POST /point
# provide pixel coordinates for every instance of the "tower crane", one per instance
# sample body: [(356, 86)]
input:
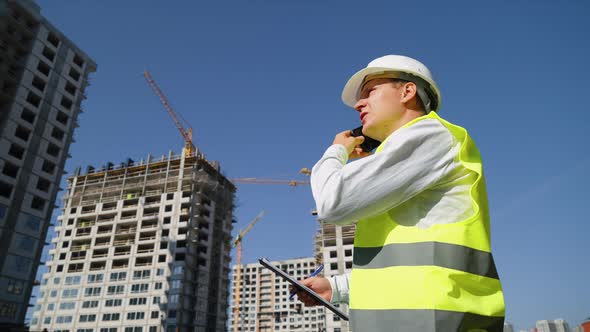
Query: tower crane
[(292, 183), (238, 243), (187, 133)]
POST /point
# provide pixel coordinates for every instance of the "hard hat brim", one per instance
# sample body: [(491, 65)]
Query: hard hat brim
[(351, 91)]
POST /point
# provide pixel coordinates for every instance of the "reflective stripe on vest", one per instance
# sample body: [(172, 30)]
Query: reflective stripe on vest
[(442, 278)]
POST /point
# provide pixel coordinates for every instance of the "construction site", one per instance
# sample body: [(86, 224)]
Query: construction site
[(155, 236)]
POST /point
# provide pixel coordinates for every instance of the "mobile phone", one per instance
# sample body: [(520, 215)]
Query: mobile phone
[(369, 144)]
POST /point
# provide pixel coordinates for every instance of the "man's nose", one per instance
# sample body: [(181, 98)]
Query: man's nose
[(360, 104)]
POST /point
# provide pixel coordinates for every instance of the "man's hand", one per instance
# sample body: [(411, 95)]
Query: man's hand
[(351, 144), (319, 285)]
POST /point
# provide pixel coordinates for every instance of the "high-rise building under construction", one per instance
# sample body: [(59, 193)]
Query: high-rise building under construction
[(141, 247), (43, 76)]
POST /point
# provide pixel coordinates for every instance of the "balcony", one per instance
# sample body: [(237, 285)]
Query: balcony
[(100, 253), (119, 243), (106, 220), (97, 266), (130, 230), (120, 263)]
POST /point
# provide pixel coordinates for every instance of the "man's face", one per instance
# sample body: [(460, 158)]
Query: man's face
[(380, 107)]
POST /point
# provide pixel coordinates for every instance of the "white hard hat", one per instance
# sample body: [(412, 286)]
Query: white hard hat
[(395, 66)]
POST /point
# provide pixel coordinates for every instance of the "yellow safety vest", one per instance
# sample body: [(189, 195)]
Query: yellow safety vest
[(442, 278)]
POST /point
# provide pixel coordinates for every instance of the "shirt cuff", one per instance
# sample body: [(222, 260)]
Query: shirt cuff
[(339, 285), (337, 151)]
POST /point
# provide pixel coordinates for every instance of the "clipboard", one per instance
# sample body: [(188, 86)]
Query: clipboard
[(266, 263)]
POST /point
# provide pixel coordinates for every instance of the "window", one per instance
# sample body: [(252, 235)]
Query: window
[(53, 293), (112, 290), (70, 88), (156, 300), (10, 170), (87, 318), (78, 60), (172, 314), (89, 304), (52, 39), (16, 151), (27, 115), (48, 54), (333, 254), (22, 133), (160, 272), (43, 68), (141, 274), (48, 167), (67, 305), (154, 315), (117, 276), (15, 286), (95, 278), (92, 291), (63, 319), (33, 99), (111, 317), (66, 102), (62, 117), (173, 298), (74, 74), (56, 280), (38, 203), (109, 329), (73, 280), (158, 285), (43, 184), (38, 83), (33, 223), (58, 134), (176, 283), (138, 301), (135, 315), (5, 189), (348, 252), (139, 288), (2, 211), (52, 150), (113, 303), (47, 320)]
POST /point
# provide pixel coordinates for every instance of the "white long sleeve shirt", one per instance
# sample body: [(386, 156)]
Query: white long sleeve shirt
[(417, 178)]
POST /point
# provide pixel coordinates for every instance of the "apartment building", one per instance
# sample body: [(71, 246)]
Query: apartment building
[(43, 78), (264, 303), (141, 247)]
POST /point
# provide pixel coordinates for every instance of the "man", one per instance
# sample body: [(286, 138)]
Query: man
[(422, 254)]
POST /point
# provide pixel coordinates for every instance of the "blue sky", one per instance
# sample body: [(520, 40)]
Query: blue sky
[(260, 83)]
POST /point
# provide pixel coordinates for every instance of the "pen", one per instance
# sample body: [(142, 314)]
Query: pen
[(314, 273)]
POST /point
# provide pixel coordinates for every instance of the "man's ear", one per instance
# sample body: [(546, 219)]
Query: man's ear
[(408, 91)]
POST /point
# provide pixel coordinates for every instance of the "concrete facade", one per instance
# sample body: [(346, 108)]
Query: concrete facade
[(141, 247), (43, 76)]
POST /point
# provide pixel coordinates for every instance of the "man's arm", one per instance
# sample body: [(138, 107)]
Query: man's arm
[(413, 159)]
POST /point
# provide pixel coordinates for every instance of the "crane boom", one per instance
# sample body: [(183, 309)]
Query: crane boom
[(187, 134), (292, 183)]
